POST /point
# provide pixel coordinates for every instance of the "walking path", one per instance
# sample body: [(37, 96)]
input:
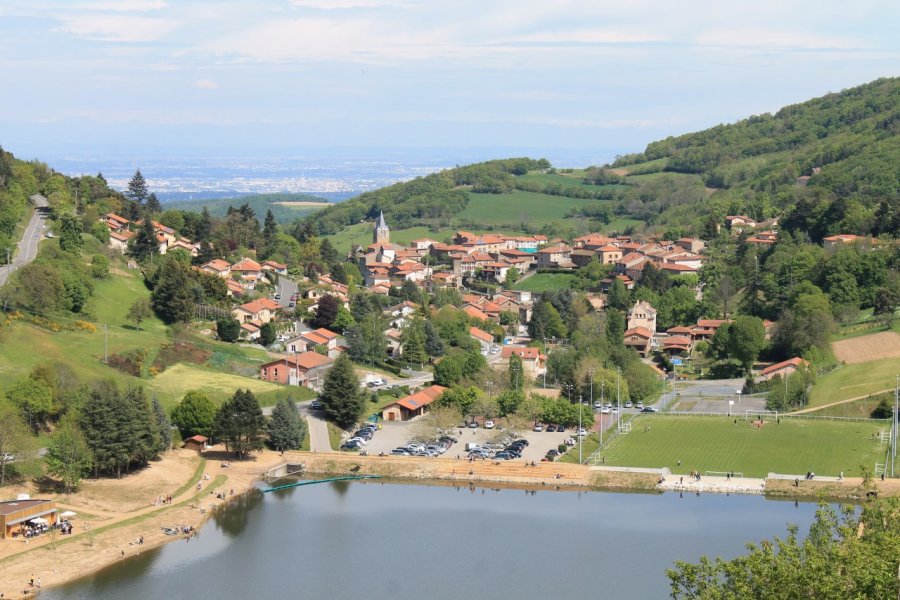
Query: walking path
[(838, 403), (318, 434), (29, 245)]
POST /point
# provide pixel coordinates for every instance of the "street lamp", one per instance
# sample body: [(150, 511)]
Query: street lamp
[(580, 439), (618, 399)]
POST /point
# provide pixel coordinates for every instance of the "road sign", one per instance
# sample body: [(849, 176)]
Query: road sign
[(677, 361)]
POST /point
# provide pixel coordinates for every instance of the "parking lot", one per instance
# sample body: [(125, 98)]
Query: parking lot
[(395, 434)]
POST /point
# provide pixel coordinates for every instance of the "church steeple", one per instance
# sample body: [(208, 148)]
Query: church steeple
[(381, 235)]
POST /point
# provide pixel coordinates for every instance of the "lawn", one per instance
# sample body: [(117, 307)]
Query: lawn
[(718, 444), (852, 381), (174, 382), (542, 282), (520, 207)]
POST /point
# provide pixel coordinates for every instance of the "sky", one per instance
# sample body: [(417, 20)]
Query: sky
[(409, 77)]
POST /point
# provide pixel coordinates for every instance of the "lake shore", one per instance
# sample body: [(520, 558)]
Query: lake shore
[(115, 514)]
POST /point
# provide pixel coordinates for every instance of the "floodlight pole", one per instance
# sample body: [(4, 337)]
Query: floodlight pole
[(580, 438)]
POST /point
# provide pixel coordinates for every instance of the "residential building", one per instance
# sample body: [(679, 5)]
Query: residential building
[(307, 369), (639, 338), (783, 369), (642, 314), (534, 364), (15, 514), (413, 405)]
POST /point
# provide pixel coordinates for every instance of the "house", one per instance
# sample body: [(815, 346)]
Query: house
[(783, 369), (482, 337), (836, 241), (217, 267), (16, 514), (306, 369), (309, 340), (554, 257), (763, 238), (234, 288), (185, 245), (706, 328), (118, 240), (413, 405), (250, 331), (675, 269), (275, 267), (248, 270), (675, 344), (639, 338), (475, 313), (534, 364), (609, 255), (422, 243), (642, 314), (262, 310), (692, 245), (115, 222), (197, 443), (738, 223)]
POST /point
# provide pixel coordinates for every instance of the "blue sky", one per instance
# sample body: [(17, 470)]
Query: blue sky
[(151, 77)]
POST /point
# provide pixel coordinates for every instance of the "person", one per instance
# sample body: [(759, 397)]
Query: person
[(796, 482), (681, 480), (841, 476)]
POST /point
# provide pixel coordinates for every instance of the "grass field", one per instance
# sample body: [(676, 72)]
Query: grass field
[(542, 282), (568, 180), (361, 234), (519, 207), (852, 381), (717, 444)]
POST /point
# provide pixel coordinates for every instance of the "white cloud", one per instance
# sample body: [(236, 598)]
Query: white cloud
[(206, 84), (773, 38), (118, 28), (345, 4)]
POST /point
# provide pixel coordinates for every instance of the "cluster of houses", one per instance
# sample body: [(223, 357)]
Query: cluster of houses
[(244, 275), (122, 231)]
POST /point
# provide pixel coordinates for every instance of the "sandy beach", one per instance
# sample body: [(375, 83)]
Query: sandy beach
[(114, 514)]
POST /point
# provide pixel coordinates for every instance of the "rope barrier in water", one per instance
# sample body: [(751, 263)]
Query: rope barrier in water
[(310, 482)]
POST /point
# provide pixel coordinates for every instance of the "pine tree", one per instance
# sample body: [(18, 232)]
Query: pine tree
[(153, 205), (145, 244), (414, 343), (516, 373), (270, 230), (163, 425), (240, 423), (328, 253), (434, 345), (286, 427), (203, 232), (172, 297), (341, 397), (618, 296), (137, 188)]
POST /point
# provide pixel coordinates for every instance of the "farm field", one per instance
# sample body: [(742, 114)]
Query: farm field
[(718, 444), (568, 180), (542, 282), (866, 348), (854, 381)]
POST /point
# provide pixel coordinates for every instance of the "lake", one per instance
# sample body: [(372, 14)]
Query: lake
[(355, 540)]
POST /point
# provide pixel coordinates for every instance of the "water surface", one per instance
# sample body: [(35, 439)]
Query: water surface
[(381, 540)]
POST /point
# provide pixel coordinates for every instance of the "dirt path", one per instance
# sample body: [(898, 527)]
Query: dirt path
[(839, 402)]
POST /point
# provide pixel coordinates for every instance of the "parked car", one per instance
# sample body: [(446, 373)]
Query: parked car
[(598, 404), (582, 432), (628, 404), (316, 404), (649, 409), (538, 427), (551, 428), (351, 445), (400, 452), (604, 411), (489, 424), (277, 296), (552, 454), (639, 405), (503, 456), (473, 425), (7, 457)]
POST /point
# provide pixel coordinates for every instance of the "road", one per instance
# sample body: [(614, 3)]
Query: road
[(318, 428), (29, 245), (287, 288)]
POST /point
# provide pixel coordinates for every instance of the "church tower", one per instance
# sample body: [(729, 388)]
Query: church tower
[(381, 235)]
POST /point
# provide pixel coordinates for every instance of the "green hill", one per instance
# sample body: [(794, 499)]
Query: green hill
[(829, 165), (286, 208)]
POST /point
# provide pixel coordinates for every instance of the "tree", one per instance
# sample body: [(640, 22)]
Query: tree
[(270, 228), (99, 267), (851, 555), (144, 244), (228, 329), (413, 340), (885, 303), (267, 334), (14, 437), (618, 296), (615, 328), (461, 398), (153, 205), (139, 311), (341, 397), (724, 290), (240, 423), (516, 373), (545, 322), (100, 231), (162, 423), (286, 427), (137, 188), (512, 276), (194, 415), (509, 401), (68, 455), (746, 339), (172, 297), (343, 321), (327, 311), (366, 339), (434, 345), (806, 322), (34, 399), (70, 229), (448, 371)]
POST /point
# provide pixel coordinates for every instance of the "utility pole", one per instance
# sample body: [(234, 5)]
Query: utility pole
[(580, 437), (894, 424), (105, 343)]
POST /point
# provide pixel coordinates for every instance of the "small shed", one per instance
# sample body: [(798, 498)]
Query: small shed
[(197, 443), (14, 514)]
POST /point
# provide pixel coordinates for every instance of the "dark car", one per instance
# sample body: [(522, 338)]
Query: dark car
[(351, 445), (551, 428), (522, 442), (649, 409), (512, 452), (315, 405), (503, 456), (552, 454)]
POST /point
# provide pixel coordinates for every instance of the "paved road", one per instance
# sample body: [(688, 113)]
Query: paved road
[(318, 434), (28, 246), (287, 288)]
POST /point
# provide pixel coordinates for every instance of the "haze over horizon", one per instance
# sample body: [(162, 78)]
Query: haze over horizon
[(406, 78)]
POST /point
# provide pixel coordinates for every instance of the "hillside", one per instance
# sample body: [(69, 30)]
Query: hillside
[(286, 208), (830, 165)]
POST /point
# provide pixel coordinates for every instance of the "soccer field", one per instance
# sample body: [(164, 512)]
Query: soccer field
[(792, 447)]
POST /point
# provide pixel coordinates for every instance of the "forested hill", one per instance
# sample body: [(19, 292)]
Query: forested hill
[(847, 144), (431, 199)]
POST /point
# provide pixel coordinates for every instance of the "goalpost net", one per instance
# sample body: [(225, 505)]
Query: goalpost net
[(752, 415)]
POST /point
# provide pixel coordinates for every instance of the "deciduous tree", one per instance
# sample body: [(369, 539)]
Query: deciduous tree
[(68, 455), (194, 415), (139, 311), (240, 423)]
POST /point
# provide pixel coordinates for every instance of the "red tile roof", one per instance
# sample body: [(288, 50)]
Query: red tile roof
[(796, 362), (422, 397), (528, 353), (481, 334)]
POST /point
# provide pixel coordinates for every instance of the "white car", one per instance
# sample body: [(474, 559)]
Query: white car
[(489, 424), (582, 432), (604, 410), (598, 404)]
